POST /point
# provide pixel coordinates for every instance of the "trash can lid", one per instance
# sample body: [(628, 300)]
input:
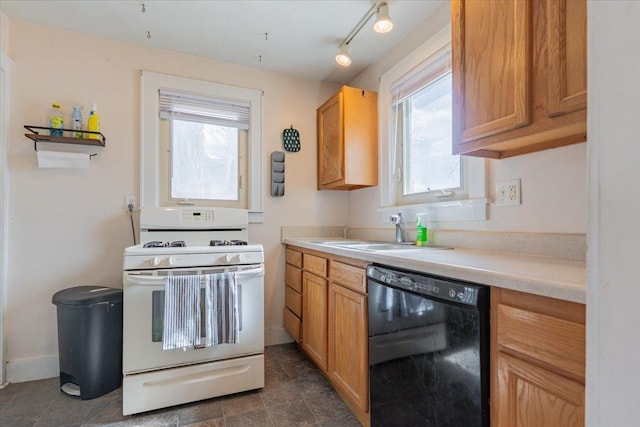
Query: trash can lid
[(86, 295)]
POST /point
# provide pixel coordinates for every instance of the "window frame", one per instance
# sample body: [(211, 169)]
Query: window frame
[(469, 205), (237, 201), (400, 128), (150, 177)]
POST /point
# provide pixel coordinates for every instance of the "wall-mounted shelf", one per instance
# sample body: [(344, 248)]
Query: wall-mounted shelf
[(36, 137)]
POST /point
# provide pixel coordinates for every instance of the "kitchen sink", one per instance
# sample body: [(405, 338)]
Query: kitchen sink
[(380, 246)]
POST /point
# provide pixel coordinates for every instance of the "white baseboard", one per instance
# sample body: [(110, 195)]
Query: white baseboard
[(35, 368), (276, 336)]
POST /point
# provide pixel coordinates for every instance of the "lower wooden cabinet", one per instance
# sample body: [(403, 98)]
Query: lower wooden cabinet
[(532, 396), (331, 326), (314, 315), (348, 365), (293, 295), (538, 361), (293, 325), (537, 343)]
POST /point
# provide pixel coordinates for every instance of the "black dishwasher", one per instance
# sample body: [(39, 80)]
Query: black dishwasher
[(428, 350)]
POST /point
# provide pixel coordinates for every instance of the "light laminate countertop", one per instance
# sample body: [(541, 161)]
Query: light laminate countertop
[(552, 277)]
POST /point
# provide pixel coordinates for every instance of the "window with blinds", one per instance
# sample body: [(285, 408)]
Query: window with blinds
[(205, 139), (421, 132)]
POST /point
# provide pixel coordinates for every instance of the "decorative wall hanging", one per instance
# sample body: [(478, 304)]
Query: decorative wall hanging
[(291, 139), (277, 174)]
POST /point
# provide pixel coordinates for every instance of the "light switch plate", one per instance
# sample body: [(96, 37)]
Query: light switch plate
[(508, 193)]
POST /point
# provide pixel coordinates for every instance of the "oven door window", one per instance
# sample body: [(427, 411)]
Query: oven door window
[(157, 313)]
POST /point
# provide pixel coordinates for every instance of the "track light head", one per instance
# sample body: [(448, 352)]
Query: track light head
[(343, 58), (383, 22)]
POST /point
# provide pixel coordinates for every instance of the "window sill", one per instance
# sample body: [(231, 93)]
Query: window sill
[(452, 210)]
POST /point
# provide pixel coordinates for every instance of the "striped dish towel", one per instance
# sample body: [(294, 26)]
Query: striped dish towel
[(221, 305), (181, 327)]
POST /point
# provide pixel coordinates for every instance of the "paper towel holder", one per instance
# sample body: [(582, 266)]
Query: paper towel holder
[(36, 137)]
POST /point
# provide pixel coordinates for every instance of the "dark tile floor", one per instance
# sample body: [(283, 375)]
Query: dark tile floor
[(295, 394)]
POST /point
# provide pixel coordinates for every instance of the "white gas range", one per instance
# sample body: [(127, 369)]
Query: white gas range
[(189, 242)]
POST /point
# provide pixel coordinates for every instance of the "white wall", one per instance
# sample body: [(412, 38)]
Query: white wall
[(68, 227), (613, 290), (554, 183), (4, 32)]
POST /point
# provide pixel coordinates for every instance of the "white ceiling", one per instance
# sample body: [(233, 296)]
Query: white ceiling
[(302, 36)]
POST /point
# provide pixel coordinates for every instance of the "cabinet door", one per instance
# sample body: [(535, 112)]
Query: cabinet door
[(567, 54), (491, 67), (530, 396), (348, 365), (330, 142), (314, 315)]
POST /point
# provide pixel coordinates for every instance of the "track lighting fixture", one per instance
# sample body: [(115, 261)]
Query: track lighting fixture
[(343, 57), (383, 24)]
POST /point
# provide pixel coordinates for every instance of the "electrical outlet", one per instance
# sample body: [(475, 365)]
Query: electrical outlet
[(508, 193), (133, 200)]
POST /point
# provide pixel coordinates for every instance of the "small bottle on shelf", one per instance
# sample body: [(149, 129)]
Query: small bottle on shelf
[(56, 121), (76, 121), (93, 122)]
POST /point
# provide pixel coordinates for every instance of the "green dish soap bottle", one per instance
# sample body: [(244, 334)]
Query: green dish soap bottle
[(421, 230)]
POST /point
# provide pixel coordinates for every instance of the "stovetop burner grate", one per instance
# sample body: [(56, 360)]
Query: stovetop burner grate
[(182, 244), (159, 244), (227, 243)]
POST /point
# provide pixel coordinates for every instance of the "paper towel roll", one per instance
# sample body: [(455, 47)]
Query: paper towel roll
[(62, 159)]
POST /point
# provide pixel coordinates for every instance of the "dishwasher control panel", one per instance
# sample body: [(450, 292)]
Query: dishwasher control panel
[(424, 284)]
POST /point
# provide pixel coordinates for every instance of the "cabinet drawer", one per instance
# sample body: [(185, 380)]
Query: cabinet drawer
[(349, 276), (292, 324), (294, 257), (293, 277), (315, 264), (293, 301), (558, 343)]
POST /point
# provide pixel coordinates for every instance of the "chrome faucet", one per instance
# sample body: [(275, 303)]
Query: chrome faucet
[(398, 221)]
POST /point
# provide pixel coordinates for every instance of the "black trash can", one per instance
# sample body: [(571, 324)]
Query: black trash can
[(89, 340)]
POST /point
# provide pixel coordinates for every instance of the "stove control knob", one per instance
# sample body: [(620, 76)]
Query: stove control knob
[(224, 259), (234, 259), (154, 262), (171, 260)]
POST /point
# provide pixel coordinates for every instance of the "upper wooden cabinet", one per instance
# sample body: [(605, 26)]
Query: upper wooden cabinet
[(519, 75), (348, 140)]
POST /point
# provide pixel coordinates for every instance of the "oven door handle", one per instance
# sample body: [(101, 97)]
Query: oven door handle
[(135, 279), (140, 279), (254, 272)]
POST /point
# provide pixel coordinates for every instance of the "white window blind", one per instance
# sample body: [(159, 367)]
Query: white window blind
[(422, 75), (203, 109)]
